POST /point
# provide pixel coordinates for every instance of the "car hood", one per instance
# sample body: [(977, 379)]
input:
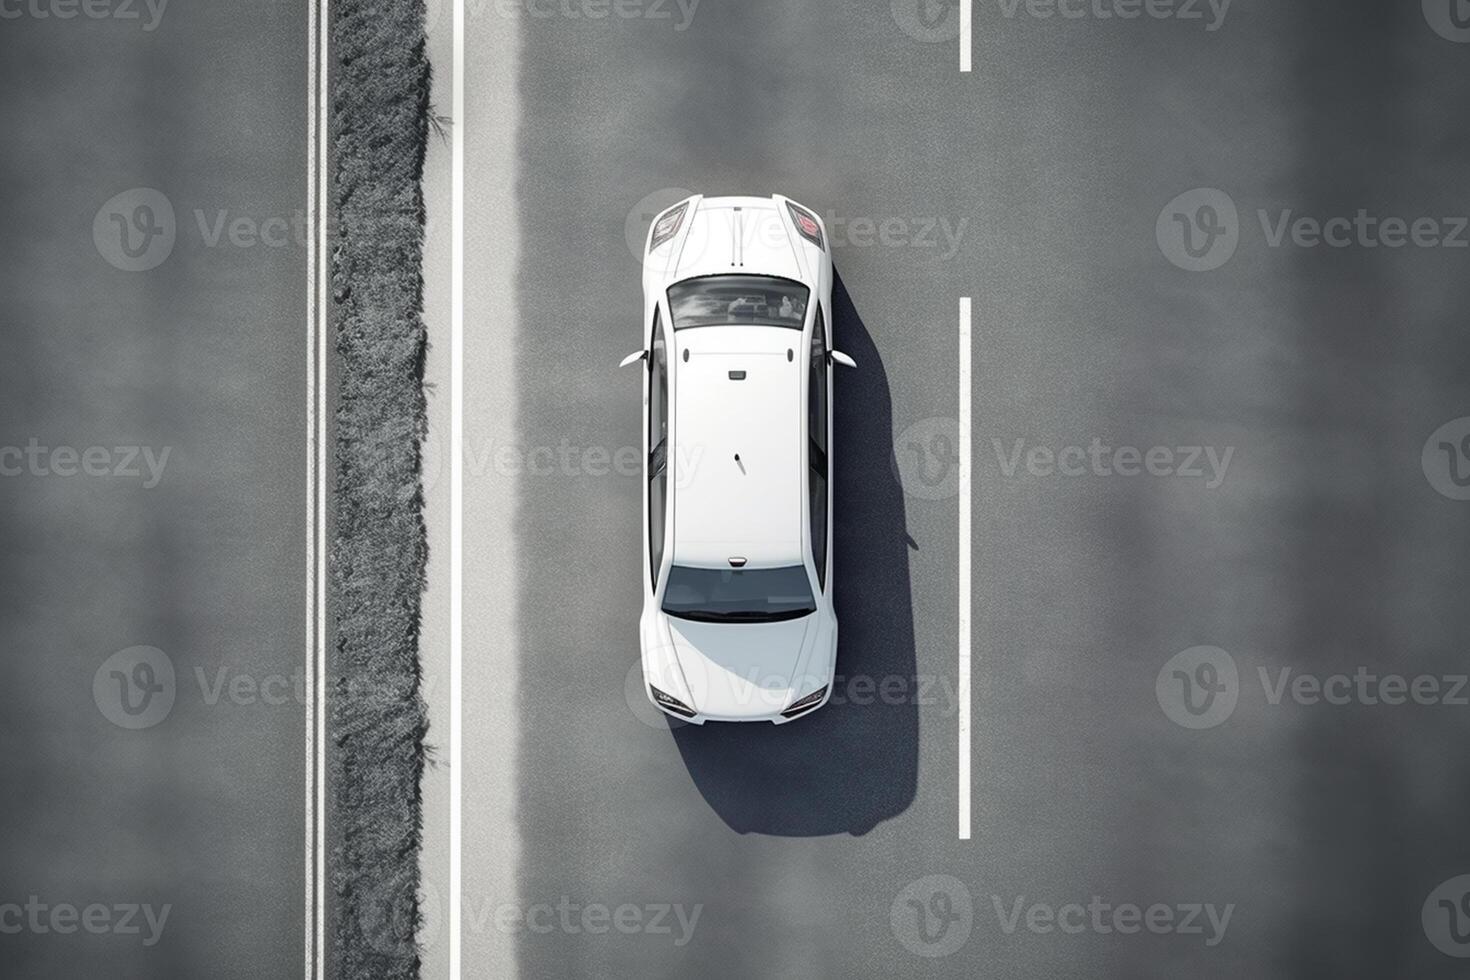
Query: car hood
[(746, 235), (725, 238), (741, 670)]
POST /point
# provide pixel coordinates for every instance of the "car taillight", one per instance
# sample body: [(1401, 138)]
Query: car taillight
[(806, 225), (667, 226)]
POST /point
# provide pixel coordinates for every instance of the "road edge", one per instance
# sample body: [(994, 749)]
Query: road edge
[(435, 850)]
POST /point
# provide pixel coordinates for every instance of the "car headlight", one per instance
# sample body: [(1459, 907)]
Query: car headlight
[(806, 704), (667, 226), (806, 225), (671, 703)]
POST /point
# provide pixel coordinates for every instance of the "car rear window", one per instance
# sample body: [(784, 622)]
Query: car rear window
[(715, 301)]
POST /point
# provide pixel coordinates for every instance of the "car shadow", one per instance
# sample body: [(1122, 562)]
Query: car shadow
[(854, 763)]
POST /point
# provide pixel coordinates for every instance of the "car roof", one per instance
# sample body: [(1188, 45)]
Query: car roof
[(752, 508)]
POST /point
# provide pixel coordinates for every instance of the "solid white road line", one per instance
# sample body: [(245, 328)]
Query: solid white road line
[(964, 576), (324, 206), (316, 518), (965, 13), (456, 498)]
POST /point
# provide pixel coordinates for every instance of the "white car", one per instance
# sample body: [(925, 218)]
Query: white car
[(738, 622)]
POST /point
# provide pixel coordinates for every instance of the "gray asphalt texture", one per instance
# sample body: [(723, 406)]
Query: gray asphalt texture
[(197, 813), (1325, 548)]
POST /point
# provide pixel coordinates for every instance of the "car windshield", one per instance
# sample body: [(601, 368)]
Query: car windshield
[(728, 595), (714, 301)]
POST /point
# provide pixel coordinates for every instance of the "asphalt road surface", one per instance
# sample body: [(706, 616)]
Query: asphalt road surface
[(153, 449), (1201, 431)]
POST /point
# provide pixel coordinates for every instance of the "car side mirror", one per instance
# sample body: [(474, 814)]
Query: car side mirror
[(633, 358), (838, 357)]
